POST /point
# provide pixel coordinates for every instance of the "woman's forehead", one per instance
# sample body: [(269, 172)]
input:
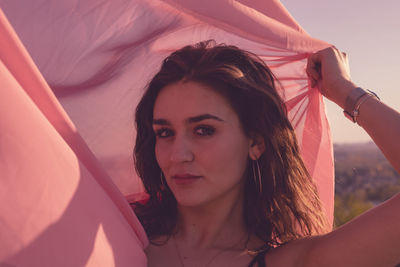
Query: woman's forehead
[(183, 100)]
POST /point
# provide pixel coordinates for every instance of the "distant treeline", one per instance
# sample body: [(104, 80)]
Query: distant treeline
[(364, 179)]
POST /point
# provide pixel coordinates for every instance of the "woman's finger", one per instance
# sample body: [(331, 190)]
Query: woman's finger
[(313, 67)]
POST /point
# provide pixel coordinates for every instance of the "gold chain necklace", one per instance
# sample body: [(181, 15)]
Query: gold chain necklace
[(212, 259)]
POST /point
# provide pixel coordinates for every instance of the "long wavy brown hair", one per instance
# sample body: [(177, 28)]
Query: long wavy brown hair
[(288, 207)]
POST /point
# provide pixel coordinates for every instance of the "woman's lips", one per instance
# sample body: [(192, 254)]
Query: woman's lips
[(185, 179)]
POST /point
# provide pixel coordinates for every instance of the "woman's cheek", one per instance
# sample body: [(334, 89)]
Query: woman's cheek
[(161, 153)]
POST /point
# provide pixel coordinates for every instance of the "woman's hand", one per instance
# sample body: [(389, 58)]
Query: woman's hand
[(329, 69)]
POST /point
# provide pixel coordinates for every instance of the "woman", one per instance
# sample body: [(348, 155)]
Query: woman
[(227, 185)]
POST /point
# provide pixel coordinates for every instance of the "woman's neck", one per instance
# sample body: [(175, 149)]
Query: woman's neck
[(217, 224)]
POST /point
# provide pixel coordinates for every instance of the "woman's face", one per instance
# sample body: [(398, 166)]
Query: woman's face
[(200, 145)]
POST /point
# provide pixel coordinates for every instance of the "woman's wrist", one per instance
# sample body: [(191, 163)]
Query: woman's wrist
[(342, 92), (368, 106), (354, 100)]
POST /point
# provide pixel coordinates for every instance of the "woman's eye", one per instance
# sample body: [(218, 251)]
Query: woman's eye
[(205, 130), (163, 133)]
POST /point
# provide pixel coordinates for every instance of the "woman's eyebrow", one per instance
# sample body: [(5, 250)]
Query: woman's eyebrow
[(203, 117), (189, 120)]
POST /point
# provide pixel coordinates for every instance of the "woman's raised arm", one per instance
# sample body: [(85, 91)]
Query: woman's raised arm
[(372, 239), (329, 69)]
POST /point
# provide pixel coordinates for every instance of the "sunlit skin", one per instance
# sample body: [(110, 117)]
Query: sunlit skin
[(220, 157), (198, 133)]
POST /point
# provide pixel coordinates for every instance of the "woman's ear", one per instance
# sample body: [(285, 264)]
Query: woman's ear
[(257, 147)]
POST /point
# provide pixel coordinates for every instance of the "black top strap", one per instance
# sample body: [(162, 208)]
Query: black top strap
[(260, 257)]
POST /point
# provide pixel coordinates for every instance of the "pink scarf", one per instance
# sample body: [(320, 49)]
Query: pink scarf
[(66, 168)]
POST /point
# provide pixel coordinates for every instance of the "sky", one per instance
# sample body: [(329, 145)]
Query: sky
[(369, 32)]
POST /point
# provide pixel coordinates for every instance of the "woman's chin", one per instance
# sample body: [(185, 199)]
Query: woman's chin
[(190, 200)]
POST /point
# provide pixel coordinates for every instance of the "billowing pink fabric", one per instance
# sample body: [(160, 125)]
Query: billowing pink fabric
[(65, 160)]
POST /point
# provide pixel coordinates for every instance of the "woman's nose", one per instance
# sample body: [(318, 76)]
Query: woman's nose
[(181, 150)]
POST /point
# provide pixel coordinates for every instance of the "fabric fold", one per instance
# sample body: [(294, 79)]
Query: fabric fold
[(67, 113)]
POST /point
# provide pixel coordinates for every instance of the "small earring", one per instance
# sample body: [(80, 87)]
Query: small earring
[(257, 176), (162, 180)]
